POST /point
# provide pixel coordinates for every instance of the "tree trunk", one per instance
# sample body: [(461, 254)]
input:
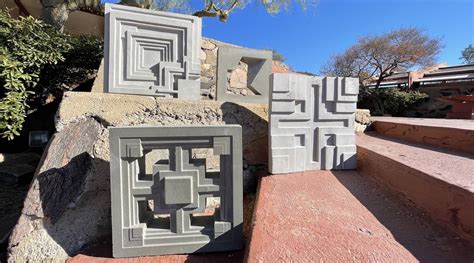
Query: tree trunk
[(55, 15), (379, 80)]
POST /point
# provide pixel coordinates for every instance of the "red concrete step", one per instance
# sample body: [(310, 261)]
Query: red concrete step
[(438, 181), (341, 216), (451, 134)]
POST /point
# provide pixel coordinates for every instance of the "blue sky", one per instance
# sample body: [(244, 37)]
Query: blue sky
[(308, 38)]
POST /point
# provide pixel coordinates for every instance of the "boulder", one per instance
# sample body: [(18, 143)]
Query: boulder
[(362, 120), (68, 203), (64, 196)]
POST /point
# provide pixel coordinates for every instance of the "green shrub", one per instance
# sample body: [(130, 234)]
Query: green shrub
[(26, 45), (391, 101), (37, 62), (79, 66)]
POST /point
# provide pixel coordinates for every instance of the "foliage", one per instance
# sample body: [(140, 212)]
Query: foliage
[(179, 6), (467, 55), (56, 12), (377, 57), (37, 63), (392, 101), (79, 66), (277, 56), (26, 46), (222, 8)]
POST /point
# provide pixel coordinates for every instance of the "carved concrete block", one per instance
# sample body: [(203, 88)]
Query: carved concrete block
[(312, 123), (159, 207), (151, 52), (258, 78)]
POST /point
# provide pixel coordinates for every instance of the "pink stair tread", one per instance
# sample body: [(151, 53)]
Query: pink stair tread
[(324, 216), (443, 123), (446, 165)]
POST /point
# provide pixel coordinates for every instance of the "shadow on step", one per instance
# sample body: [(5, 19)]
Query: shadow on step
[(422, 146), (412, 229)]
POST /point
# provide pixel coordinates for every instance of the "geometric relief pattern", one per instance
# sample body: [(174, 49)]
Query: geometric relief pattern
[(149, 52), (312, 123), (259, 64), (164, 212)]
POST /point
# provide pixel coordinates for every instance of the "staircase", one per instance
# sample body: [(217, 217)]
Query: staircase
[(457, 135), (411, 200), (430, 163)]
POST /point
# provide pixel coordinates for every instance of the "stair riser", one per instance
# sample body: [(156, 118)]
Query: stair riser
[(450, 138), (447, 204)]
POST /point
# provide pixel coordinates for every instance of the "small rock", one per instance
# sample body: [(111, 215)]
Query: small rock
[(206, 44), (359, 128), (362, 116), (206, 67)]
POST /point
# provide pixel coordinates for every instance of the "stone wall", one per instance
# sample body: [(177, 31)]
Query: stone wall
[(68, 204), (237, 79)]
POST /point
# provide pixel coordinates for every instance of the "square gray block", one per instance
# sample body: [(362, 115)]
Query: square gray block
[(258, 78), (182, 184), (148, 52), (312, 123), (158, 213)]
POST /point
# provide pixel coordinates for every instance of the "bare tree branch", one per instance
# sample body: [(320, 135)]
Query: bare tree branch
[(385, 55)]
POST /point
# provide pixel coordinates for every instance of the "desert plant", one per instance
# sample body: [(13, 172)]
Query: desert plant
[(467, 55), (26, 46), (391, 101)]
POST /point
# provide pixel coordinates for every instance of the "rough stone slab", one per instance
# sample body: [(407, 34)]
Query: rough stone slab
[(312, 123), (64, 196), (438, 181), (259, 69), (179, 187), (341, 216), (138, 110), (147, 51)]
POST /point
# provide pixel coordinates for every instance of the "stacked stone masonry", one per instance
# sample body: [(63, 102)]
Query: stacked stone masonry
[(258, 67)]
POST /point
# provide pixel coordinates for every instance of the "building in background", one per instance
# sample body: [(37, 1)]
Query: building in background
[(447, 81), (439, 82)]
